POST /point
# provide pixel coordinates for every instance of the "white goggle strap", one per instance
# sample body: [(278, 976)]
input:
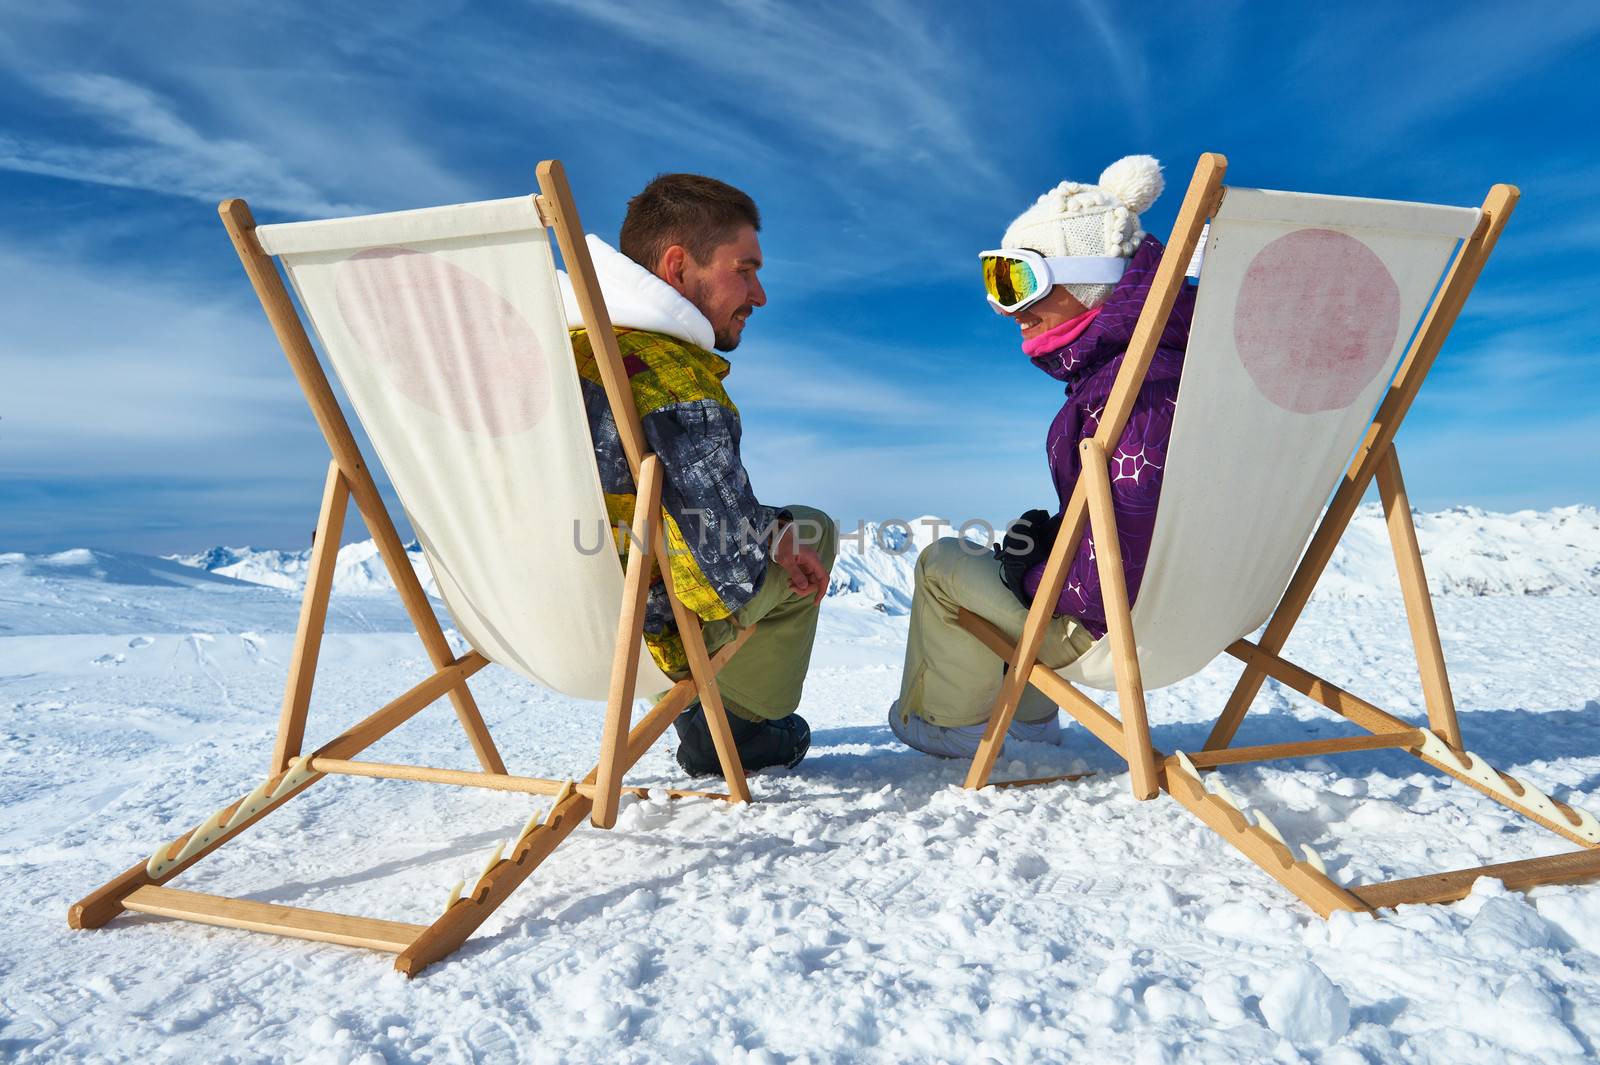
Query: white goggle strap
[(1086, 269)]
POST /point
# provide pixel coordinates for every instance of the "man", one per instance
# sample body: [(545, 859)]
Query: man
[(685, 281)]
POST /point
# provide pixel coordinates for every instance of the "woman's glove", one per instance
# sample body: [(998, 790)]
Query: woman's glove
[(1027, 543)]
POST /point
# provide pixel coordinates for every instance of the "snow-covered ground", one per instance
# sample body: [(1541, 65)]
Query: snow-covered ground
[(865, 908)]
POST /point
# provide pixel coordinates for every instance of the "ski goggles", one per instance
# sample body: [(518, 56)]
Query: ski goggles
[(1016, 277)]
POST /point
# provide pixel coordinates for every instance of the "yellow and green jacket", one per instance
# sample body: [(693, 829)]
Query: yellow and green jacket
[(716, 529)]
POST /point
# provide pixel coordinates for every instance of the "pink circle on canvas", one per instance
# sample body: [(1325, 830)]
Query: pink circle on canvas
[(447, 340), (1317, 317)]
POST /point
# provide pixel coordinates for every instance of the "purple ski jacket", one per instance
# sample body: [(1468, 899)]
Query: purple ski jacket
[(1089, 367)]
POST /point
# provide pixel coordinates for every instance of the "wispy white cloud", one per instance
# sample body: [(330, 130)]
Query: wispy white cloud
[(826, 374), (110, 373), (153, 147), (1513, 371), (1504, 302), (884, 117), (877, 82), (844, 423)]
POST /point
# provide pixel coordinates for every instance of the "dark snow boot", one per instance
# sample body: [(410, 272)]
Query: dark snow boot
[(761, 744), (769, 743)]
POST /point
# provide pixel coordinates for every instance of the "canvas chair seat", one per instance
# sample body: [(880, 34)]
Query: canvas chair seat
[(446, 330), (1305, 307)]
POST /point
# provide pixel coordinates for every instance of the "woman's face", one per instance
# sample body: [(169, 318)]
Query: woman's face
[(1041, 317)]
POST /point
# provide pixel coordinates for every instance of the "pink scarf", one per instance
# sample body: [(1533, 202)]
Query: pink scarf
[(1059, 337)]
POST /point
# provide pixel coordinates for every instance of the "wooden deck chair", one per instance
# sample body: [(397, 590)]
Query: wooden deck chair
[(1304, 311), (445, 328)]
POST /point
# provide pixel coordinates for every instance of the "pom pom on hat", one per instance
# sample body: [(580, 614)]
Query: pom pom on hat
[(1101, 219), (1135, 180)]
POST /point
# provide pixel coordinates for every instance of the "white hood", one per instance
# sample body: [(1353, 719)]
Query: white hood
[(637, 299)]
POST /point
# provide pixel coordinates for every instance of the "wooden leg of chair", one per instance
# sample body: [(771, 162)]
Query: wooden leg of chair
[(1266, 848), (1088, 713), (1457, 884), (1238, 704), (711, 705), (705, 677), (1119, 622), (994, 734), (1025, 652), (1419, 605), (313, 618), (471, 718), (625, 661), (398, 564), (464, 917)]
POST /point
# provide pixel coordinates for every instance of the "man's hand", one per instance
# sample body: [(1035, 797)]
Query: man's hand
[(807, 574)]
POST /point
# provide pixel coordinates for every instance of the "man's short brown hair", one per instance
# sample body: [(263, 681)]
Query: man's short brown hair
[(692, 210)]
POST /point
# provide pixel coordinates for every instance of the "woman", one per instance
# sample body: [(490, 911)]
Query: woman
[(1073, 274)]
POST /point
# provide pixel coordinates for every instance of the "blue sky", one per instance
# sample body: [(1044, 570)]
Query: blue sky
[(145, 406)]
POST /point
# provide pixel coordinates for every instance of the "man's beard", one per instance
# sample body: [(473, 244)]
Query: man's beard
[(727, 339)]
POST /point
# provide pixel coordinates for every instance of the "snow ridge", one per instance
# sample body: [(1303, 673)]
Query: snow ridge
[(1467, 551), (359, 569)]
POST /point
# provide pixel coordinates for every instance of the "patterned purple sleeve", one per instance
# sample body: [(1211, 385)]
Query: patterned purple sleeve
[(1136, 468)]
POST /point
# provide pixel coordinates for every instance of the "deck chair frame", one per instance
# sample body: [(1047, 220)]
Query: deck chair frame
[(1439, 745), (597, 796)]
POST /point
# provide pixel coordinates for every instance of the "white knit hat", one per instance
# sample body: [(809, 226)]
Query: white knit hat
[(1102, 219)]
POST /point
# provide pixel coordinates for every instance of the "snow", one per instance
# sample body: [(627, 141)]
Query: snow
[(1469, 551), (1305, 1007), (864, 908)]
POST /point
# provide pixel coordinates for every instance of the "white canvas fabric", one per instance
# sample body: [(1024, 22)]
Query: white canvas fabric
[(446, 330), (1305, 307)]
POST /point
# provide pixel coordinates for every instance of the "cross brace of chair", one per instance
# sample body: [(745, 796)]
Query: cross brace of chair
[(1260, 841), (417, 945)]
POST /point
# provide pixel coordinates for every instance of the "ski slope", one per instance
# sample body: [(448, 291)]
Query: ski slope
[(865, 908)]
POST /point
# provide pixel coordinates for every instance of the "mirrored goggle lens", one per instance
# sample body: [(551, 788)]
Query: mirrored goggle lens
[(1010, 282)]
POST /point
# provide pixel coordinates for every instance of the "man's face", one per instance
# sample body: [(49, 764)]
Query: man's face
[(725, 287)]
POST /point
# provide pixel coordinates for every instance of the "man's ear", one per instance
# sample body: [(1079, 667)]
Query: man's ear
[(671, 267)]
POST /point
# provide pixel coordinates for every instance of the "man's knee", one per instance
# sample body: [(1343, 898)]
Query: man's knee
[(817, 531)]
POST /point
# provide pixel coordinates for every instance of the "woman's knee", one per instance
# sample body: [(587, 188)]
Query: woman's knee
[(940, 560)]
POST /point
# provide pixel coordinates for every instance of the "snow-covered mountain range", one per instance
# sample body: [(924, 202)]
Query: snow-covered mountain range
[(1467, 551)]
